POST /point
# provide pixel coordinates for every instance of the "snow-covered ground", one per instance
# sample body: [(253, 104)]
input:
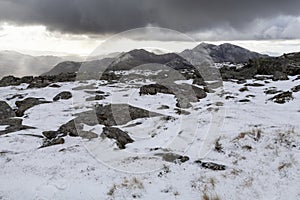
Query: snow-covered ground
[(257, 141)]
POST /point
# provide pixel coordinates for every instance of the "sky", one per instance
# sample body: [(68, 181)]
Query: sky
[(79, 26)]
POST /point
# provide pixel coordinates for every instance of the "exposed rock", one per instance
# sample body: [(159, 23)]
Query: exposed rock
[(6, 111), (54, 86), (211, 165), (173, 157), (296, 88), (55, 141), (244, 100), (27, 104), (63, 95), (272, 91), (163, 107), (279, 76), (68, 129), (87, 135), (50, 134), (153, 89), (121, 137), (19, 96), (95, 98), (181, 112), (282, 97), (94, 92), (85, 87), (254, 84), (243, 89)]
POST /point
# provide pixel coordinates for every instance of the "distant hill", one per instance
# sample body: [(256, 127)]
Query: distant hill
[(221, 53), (17, 64)]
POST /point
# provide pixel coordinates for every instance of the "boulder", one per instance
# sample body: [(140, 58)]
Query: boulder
[(282, 97), (211, 165), (279, 76), (27, 104), (63, 95), (6, 111), (296, 88), (121, 137), (153, 89)]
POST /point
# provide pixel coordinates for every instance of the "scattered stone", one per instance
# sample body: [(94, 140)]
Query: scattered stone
[(241, 81), (63, 95), (54, 86), (250, 96), (282, 97), (211, 165), (19, 96), (121, 137), (153, 89), (229, 97), (279, 76), (254, 84), (243, 89), (50, 134), (68, 129), (296, 88), (173, 157), (55, 141), (85, 87), (244, 100), (94, 92), (181, 112), (219, 104), (95, 98), (163, 107), (272, 91), (88, 135), (27, 104)]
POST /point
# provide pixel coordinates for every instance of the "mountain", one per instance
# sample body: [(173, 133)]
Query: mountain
[(124, 61), (17, 64), (139, 57), (221, 53)]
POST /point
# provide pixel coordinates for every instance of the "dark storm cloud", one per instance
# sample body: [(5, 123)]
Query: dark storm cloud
[(110, 16)]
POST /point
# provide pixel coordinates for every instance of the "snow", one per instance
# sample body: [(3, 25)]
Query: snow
[(264, 168)]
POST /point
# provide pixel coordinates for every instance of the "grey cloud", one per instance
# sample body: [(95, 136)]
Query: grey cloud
[(111, 16)]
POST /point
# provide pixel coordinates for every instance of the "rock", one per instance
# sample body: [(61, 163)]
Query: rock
[(254, 84), (85, 87), (296, 88), (54, 86), (199, 81), (121, 137), (94, 92), (14, 125), (68, 129), (87, 135), (173, 157), (244, 100), (241, 81), (282, 97), (63, 95), (50, 134), (279, 76), (243, 89), (181, 112), (9, 81), (95, 98), (55, 141), (153, 89), (183, 103), (6, 111), (199, 92), (163, 107), (272, 91), (19, 96), (211, 165), (27, 104), (114, 114)]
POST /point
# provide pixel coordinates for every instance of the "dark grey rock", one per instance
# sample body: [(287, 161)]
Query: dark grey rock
[(27, 104), (50, 134), (6, 111), (121, 137), (282, 97), (296, 88), (63, 95), (211, 165), (279, 76)]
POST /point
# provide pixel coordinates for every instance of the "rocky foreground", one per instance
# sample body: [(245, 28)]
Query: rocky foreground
[(142, 134)]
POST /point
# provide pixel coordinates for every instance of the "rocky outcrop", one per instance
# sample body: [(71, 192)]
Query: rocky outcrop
[(6, 111), (282, 97), (27, 104), (122, 138), (153, 89)]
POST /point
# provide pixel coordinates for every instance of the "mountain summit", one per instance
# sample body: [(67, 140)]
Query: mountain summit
[(222, 53)]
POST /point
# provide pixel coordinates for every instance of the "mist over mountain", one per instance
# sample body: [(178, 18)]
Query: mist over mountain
[(14, 63)]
